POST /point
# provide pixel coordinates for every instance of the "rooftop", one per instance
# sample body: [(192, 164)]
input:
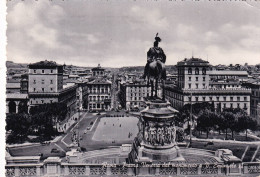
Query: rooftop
[(227, 72), (193, 62), (45, 63)]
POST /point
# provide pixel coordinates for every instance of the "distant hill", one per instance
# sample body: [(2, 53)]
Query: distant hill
[(11, 64)]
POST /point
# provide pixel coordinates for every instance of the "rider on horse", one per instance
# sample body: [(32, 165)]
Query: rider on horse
[(155, 53)]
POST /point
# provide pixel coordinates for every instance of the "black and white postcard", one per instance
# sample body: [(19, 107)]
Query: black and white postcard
[(131, 88)]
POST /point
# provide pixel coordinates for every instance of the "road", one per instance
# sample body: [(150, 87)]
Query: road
[(90, 120)]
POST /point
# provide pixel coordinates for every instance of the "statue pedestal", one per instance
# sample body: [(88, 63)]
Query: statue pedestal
[(155, 141)]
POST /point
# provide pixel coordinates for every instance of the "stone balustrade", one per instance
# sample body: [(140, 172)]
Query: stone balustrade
[(68, 169)]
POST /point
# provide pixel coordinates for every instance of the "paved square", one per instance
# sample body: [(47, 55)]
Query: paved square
[(116, 128)]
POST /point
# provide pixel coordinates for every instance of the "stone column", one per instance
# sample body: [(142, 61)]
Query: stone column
[(16, 171), (17, 106), (87, 170), (38, 170), (7, 107), (199, 170), (157, 171), (109, 171), (66, 170)]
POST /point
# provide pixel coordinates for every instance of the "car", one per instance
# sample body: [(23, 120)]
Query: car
[(45, 143), (54, 150), (88, 128)]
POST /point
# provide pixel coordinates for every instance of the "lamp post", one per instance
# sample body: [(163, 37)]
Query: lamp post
[(190, 116)]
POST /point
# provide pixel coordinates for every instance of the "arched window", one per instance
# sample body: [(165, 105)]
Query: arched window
[(204, 71), (189, 71), (197, 71)]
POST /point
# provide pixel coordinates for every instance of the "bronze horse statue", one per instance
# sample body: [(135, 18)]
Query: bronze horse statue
[(155, 68), (155, 75)]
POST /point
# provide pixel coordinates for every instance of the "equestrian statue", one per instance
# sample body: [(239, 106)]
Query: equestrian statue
[(155, 67)]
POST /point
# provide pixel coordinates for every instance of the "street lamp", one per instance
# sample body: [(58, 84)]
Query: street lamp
[(190, 116)]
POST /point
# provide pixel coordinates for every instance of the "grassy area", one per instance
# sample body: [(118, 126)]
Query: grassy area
[(237, 149), (222, 136)]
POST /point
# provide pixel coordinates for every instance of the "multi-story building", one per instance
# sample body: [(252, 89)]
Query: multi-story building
[(98, 71), (99, 94), (194, 85), (254, 85), (133, 93), (45, 85), (24, 83)]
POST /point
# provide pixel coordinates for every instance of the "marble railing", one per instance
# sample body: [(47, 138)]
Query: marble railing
[(77, 170)]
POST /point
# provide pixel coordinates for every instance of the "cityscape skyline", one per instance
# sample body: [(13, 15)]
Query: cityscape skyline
[(119, 34)]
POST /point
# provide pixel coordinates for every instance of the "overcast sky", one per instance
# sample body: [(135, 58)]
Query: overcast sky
[(117, 34)]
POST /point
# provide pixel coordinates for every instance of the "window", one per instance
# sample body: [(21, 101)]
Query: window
[(238, 105), (231, 105), (189, 71), (224, 98), (51, 81), (204, 86), (43, 71), (238, 98), (43, 89), (42, 101), (245, 106), (51, 101), (34, 89), (189, 78), (197, 85), (224, 105), (217, 98), (34, 71), (231, 98), (51, 89), (190, 99), (189, 85), (42, 81), (34, 81), (197, 71), (197, 79), (204, 71), (51, 71), (245, 98), (204, 99), (204, 78), (210, 98), (197, 98)]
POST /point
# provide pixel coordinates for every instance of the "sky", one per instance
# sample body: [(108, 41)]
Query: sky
[(119, 33)]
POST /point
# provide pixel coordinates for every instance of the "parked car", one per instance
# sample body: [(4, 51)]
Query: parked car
[(45, 143), (54, 150)]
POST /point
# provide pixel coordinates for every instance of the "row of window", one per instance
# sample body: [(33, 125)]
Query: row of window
[(136, 98), (218, 99), (43, 89), (197, 78), (197, 71), (42, 71), (97, 98), (41, 102), (43, 81), (197, 86)]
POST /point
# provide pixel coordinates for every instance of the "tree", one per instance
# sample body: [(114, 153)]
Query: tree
[(205, 121), (19, 125), (245, 122)]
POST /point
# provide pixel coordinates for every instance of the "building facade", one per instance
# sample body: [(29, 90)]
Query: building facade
[(255, 99), (195, 85), (45, 85), (132, 94), (99, 94)]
